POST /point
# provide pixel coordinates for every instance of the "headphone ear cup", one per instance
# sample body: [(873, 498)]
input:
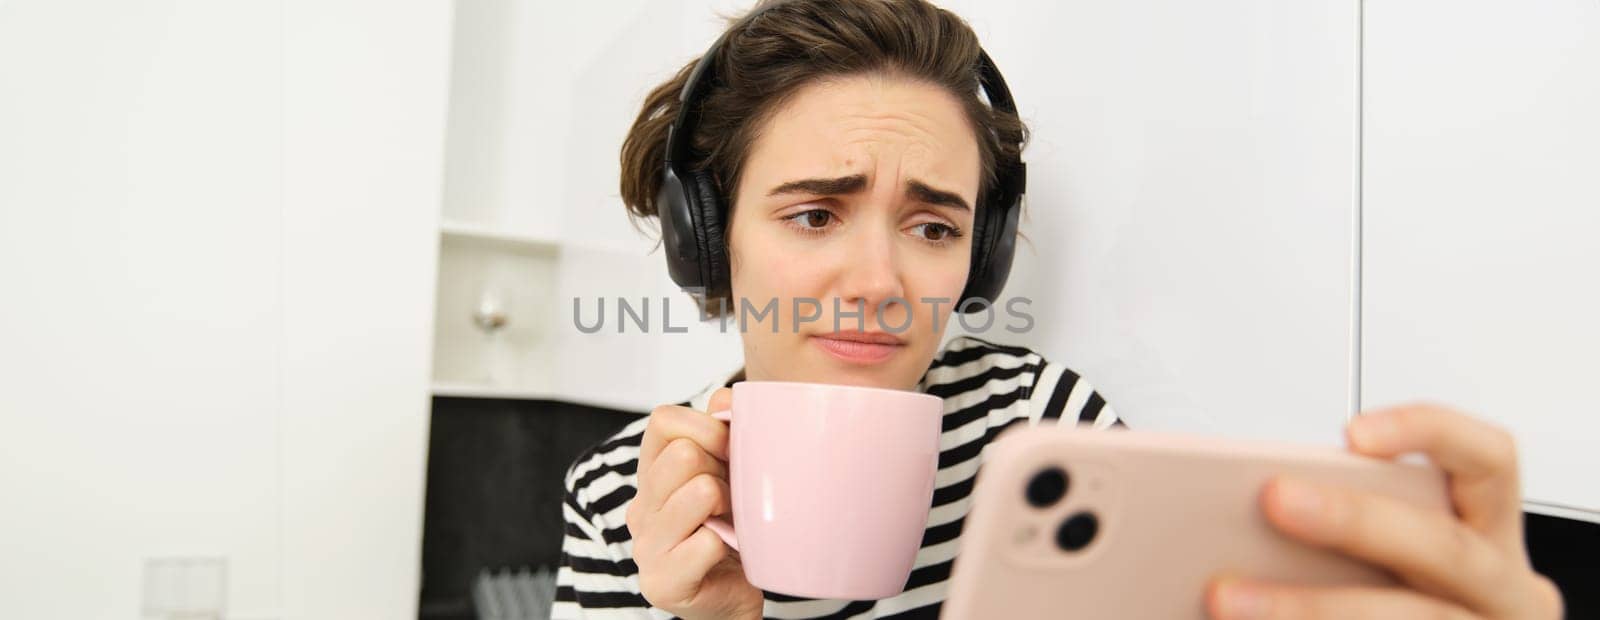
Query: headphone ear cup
[(710, 234), (982, 242), (994, 238), (1003, 249), (679, 236)]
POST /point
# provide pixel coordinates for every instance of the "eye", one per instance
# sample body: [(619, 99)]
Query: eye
[(812, 220), (936, 232)]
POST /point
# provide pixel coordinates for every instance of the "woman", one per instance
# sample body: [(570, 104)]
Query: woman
[(854, 150)]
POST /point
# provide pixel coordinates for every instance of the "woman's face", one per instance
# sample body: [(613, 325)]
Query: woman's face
[(859, 190)]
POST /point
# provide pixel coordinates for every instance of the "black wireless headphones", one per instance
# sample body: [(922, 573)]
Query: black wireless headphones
[(693, 214)]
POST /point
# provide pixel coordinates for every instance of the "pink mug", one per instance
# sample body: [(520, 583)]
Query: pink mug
[(831, 486)]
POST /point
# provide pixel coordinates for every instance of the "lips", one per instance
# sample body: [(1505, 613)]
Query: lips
[(859, 347)]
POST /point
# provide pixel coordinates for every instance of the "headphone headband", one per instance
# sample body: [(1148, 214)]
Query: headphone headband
[(694, 90), (680, 134)]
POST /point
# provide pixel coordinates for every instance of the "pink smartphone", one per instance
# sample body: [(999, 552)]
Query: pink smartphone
[(1077, 523)]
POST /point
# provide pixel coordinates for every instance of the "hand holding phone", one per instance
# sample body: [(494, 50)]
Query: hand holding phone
[(1070, 522)]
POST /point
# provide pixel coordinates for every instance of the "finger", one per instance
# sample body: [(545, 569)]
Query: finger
[(721, 400), (693, 559), (700, 498), (678, 462), (669, 422), (658, 432), (683, 571), (1431, 551), (1480, 458), (1238, 599)]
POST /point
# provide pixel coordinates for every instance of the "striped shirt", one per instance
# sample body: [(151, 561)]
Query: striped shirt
[(985, 386)]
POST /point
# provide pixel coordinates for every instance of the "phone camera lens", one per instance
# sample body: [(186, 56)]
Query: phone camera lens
[(1077, 531), (1047, 487)]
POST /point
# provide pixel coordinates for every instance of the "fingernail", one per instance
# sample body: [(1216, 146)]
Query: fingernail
[(1239, 600), (1303, 502), (1373, 430)]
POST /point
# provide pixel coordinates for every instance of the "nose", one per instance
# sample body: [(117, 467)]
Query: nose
[(871, 274)]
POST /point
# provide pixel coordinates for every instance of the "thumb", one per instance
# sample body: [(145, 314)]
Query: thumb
[(721, 400)]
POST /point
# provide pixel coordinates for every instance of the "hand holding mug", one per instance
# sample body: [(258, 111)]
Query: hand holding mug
[(684, 567)]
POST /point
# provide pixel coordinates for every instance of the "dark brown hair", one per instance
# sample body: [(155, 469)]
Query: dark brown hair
[(782, 45)]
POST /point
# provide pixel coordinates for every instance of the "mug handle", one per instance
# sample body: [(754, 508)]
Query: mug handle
[(722, 527)]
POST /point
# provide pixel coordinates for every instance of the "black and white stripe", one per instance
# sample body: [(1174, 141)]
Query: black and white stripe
[(985, 386)]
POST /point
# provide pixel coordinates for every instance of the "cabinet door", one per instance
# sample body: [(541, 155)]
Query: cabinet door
[(363, 162), (142, 311), (1482, 278), (217, 252), (1190, 204)]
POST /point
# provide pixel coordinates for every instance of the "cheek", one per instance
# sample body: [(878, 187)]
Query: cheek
[(944, 277), (762, 268)]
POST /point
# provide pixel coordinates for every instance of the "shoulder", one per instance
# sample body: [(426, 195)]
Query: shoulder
[(968, 366), (603, 477), (972, 352), (597, 572)]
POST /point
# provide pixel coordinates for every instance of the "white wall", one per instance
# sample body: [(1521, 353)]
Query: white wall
[(1481, 213), (365, 88), (217, 247), (139, 255), (1190, 204)]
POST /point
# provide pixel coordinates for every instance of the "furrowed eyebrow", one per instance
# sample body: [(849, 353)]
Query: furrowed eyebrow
[(850, 184), (822, 187), (921, 191)]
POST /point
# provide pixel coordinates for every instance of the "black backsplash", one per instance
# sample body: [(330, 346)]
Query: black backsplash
[(1568, 552), (494, 488)]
